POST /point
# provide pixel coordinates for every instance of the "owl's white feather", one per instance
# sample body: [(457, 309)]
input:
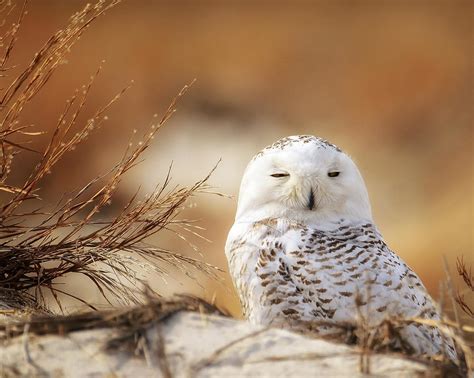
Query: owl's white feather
[(304, 250)]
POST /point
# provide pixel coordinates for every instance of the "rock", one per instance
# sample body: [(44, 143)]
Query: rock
[(190, 344)]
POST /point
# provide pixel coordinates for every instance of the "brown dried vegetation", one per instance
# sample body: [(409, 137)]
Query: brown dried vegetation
[(38, 245), (129, 320)]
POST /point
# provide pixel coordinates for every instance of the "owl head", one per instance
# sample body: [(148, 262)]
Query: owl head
[(305, 179)]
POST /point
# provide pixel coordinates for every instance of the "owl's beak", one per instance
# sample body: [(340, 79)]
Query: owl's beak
[(311, 200)]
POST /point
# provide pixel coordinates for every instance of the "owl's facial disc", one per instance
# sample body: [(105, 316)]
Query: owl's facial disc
[(304, 181)]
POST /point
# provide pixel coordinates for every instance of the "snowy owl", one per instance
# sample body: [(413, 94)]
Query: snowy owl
[(304, 250)]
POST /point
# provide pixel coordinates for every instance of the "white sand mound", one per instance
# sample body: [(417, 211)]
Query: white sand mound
[(190, 344)]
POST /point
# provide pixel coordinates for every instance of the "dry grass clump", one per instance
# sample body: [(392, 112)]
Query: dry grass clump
[(128, 320), (38, 244)]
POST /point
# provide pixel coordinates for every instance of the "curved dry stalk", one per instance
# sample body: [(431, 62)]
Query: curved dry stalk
[(468, 278)]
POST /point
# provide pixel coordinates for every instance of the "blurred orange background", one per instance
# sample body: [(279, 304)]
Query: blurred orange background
[(390, 82)]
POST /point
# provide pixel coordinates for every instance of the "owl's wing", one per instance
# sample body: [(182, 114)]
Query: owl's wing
[(341, 270), (352, 274)]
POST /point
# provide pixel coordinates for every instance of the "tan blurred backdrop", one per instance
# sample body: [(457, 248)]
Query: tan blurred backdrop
[(390, 82)]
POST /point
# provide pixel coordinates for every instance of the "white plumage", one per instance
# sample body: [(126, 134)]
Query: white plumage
[(304, 252)]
